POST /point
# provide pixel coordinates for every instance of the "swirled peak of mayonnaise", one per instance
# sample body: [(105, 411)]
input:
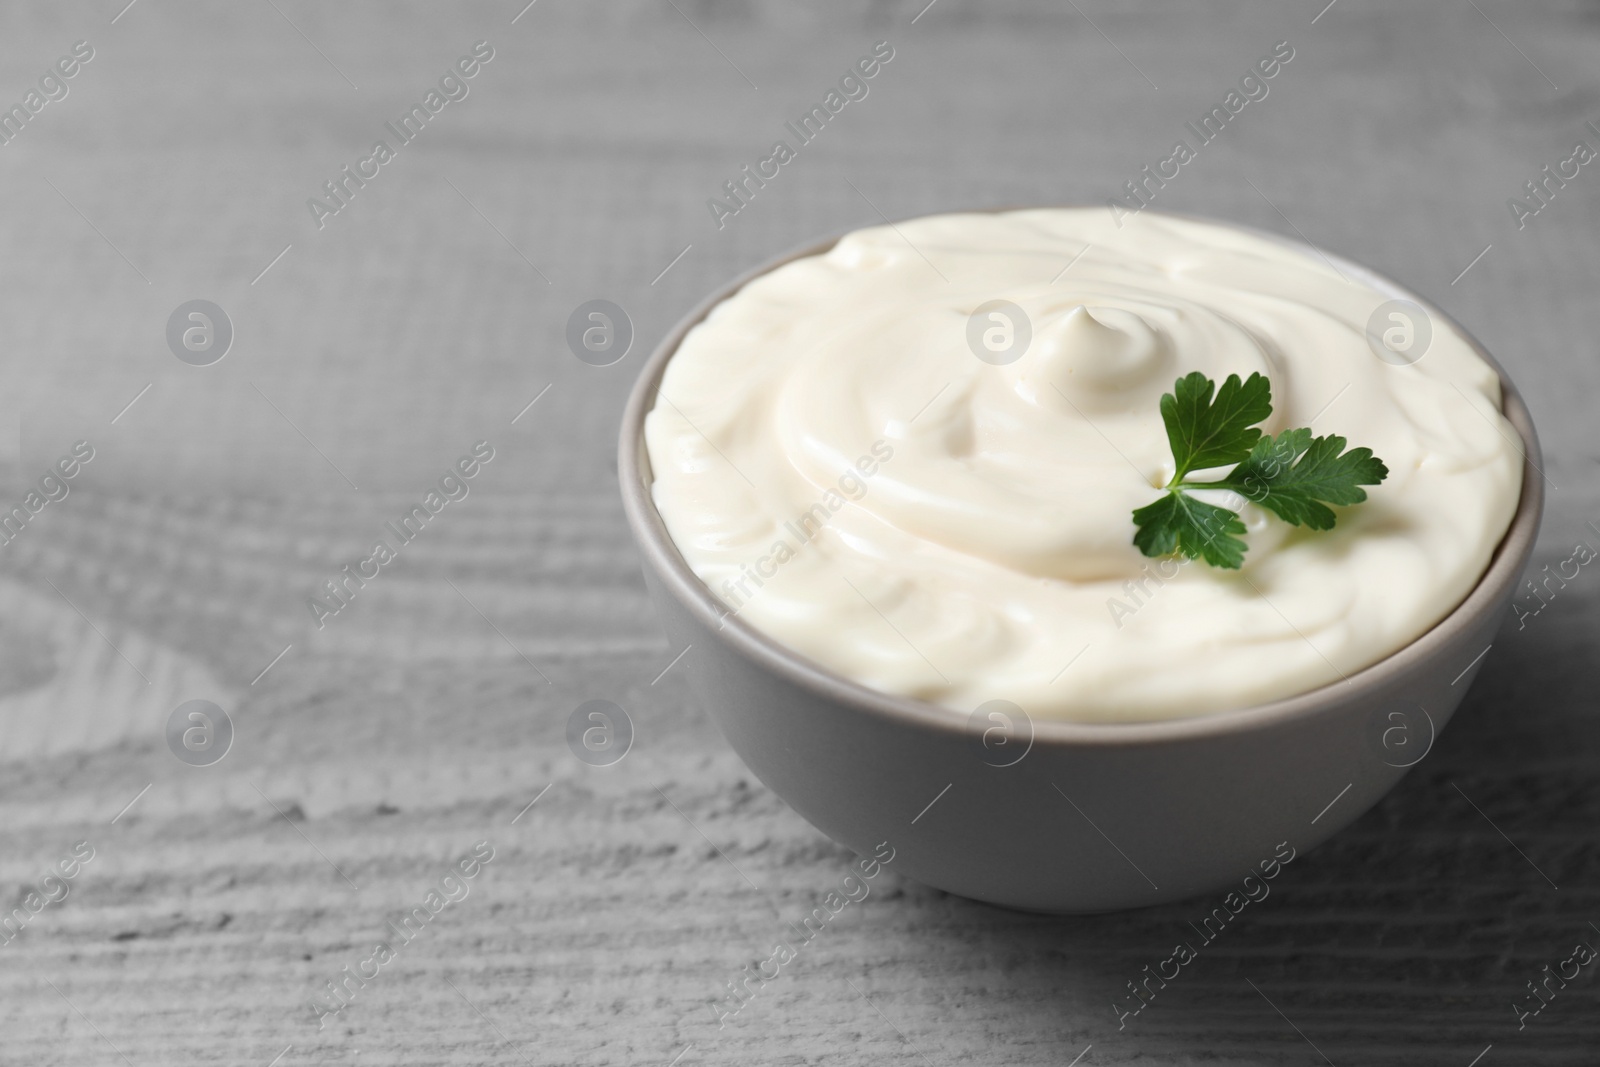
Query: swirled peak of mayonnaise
[(839, 467)]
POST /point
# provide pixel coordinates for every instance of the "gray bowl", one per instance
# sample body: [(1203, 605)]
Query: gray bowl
[(1091, 817)]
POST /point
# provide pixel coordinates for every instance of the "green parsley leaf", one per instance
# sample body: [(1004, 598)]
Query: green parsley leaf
[(1207, 433), (1293, 475), (1179, 524)]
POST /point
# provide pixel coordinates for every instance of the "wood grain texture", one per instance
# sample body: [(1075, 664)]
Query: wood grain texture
[(428, 714)]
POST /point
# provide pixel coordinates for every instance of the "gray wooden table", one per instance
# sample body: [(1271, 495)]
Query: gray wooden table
[(371, 352)]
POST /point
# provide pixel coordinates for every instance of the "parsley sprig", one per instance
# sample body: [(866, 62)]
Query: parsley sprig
[(1293, 475)]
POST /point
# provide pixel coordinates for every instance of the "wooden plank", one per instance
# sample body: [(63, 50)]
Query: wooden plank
[(428, 714)]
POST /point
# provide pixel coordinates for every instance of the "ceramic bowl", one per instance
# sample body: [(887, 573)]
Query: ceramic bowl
[(1091, 817)]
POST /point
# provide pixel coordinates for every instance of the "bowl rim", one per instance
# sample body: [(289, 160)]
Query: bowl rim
[(660, 552)]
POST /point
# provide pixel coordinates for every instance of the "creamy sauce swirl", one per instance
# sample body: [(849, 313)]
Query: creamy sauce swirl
[(923, 503)]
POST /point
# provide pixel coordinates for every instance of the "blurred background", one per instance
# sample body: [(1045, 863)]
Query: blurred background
[(368, 350)]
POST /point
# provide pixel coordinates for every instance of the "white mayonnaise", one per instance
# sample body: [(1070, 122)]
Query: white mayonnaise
[(837, 464)]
